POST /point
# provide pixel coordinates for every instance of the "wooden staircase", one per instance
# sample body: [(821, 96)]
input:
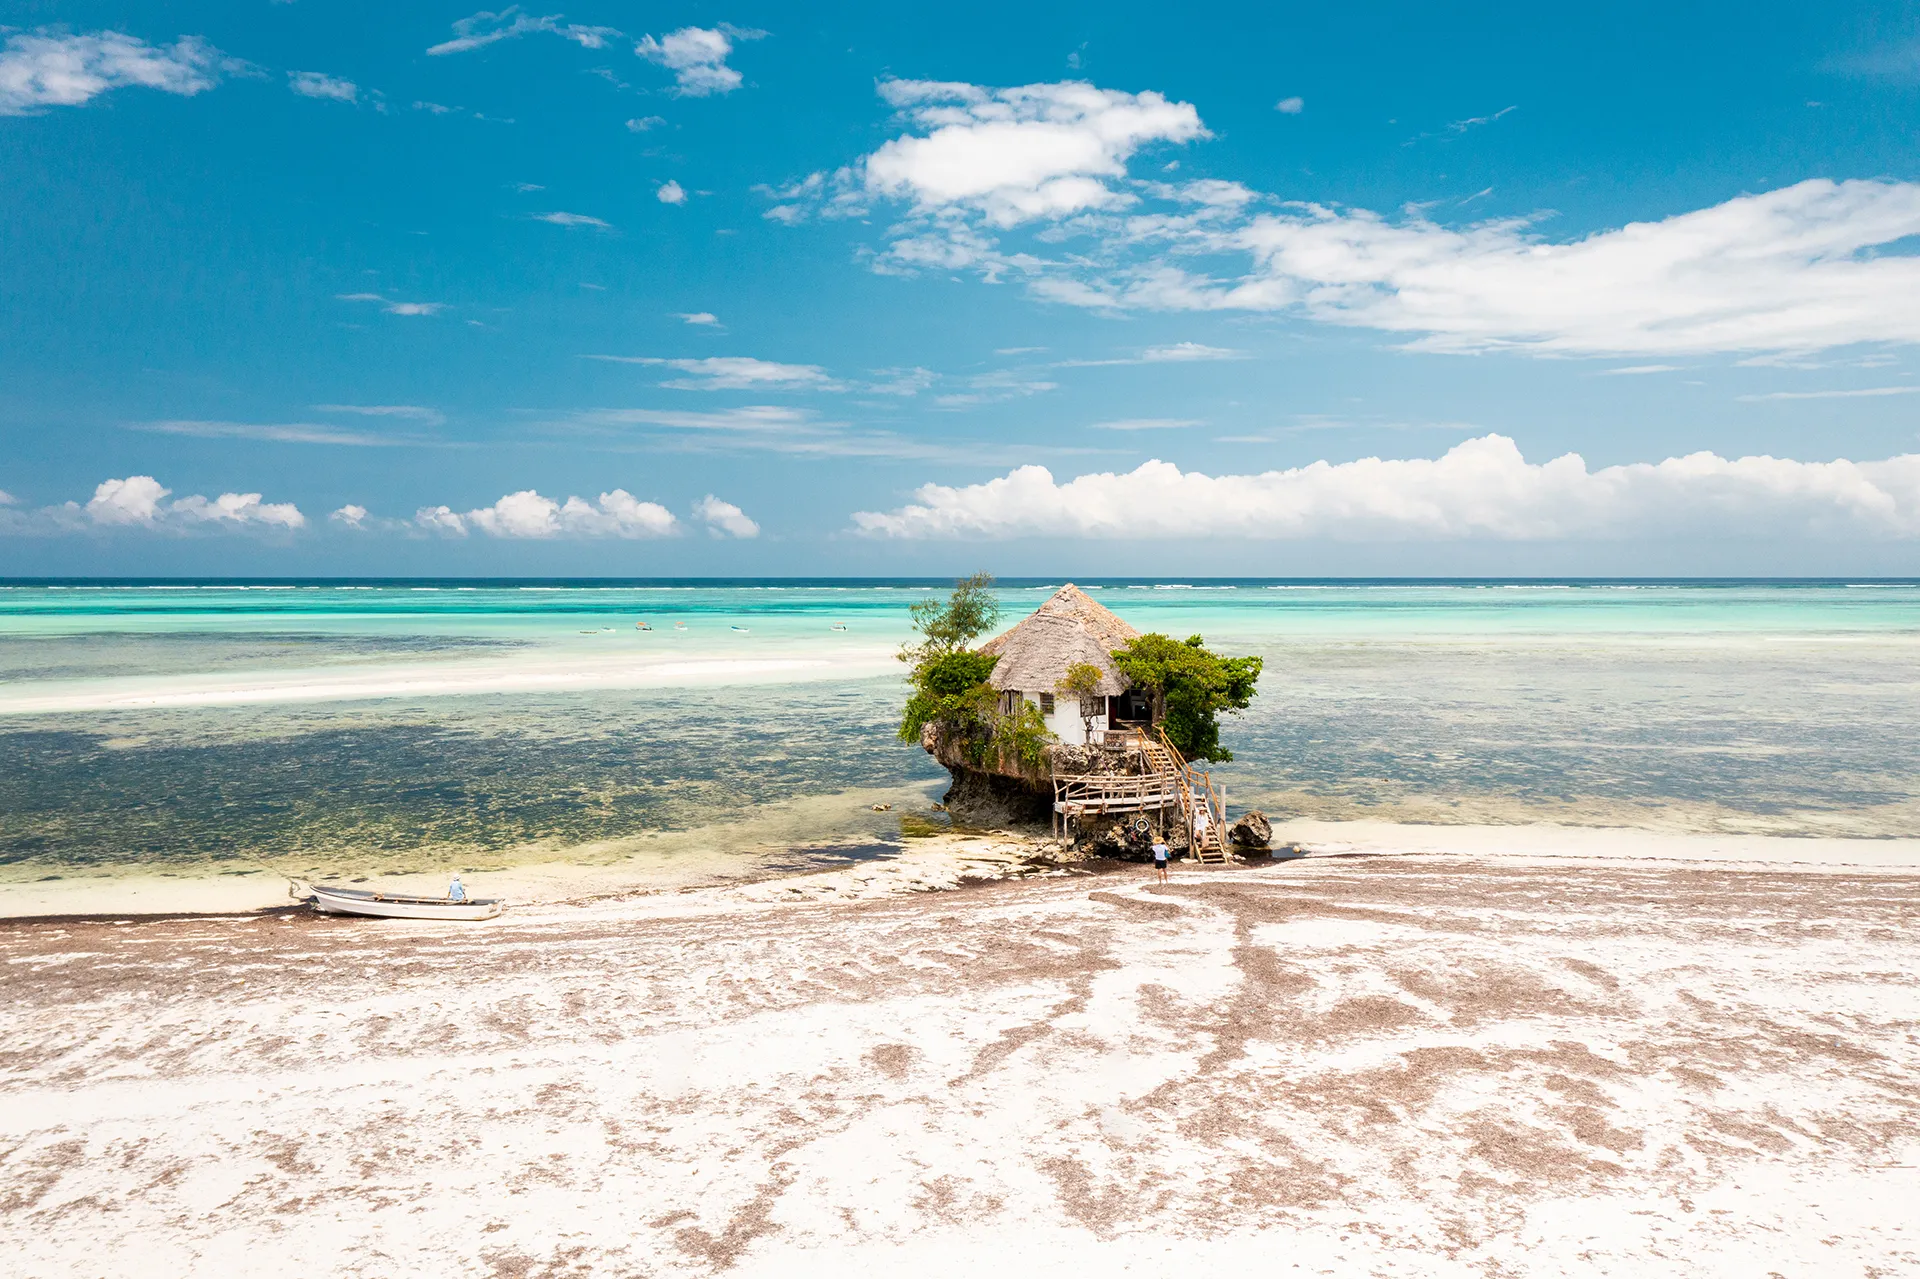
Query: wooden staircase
[(1198, 795)]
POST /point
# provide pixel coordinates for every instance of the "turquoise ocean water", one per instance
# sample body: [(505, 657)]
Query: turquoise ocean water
[(408, 724)]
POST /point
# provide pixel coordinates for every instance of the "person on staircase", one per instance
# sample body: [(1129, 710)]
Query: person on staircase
[(1202, 820)]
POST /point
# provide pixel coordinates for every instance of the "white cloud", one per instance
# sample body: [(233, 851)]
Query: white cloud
[(392, 307), (134, 500), (1290, 106), (734, 373), (1148, 424), (351, 515), (48, 68), (412, 412), (571, 219), (765, 428), (238, 508), (1794, 270), (440, 519), (1871, 392), (1482, 488), (139, 501), (671, 192), (1181, 352), (699, 317), (314, 84), (484, 28), (697, 56), (724, 519), (1011, 155), (996, 388), (1640, 370), (1787, 270), (276, 432), (527, 514), (644, 123)]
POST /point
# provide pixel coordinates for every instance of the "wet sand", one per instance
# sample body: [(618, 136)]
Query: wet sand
[(1415, 1065)]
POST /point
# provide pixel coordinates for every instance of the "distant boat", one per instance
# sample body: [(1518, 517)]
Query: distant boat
[(839, 626), (741, 629), (641, 626), (679, 626), (360, 901)]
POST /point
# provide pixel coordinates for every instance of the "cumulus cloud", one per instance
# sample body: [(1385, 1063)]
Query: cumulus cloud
[(238, 508), (314, 84), (699, 317), (133, 500), (1290, 106), (140, 501), (671, 192), (734, 373), (644, 123), (571, 220), (697, 56), (527, 514), (483, 29), (50, 68), (1482, 488), (1032, 183), (1040, 150), (724, 519), (352, 515), (392, 307)]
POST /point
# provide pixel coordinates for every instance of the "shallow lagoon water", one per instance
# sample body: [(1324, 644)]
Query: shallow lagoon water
[(369, 728)]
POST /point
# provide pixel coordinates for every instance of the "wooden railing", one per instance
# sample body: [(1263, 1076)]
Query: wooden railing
[(1167, 780)]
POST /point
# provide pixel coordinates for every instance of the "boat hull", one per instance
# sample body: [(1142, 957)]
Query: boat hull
[(335, 901)]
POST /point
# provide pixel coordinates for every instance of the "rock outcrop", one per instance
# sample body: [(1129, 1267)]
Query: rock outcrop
[(1252, 831)]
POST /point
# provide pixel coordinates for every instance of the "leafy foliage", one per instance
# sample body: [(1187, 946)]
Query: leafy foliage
[(951, 690), (951, 624), (1082, 683), (1190, 687), (950, 686)]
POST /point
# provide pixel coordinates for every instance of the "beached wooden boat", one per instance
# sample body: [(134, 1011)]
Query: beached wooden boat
[(360, 901)]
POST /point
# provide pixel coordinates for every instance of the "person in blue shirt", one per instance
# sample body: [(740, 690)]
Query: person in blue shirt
[(456, 891), (1160, 854)]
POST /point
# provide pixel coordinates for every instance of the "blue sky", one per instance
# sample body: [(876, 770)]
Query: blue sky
[(312, 288)]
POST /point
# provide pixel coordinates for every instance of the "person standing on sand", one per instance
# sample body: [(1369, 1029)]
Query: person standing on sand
[(1160, 859)]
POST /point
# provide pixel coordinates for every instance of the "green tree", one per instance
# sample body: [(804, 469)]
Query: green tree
[(1082, 682), (953, 623), (1190, 687), (949, 680)]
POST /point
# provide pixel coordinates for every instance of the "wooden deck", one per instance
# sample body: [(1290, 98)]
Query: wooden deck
[(1167, 781)]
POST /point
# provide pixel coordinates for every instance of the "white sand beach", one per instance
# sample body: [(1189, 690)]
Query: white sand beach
[(1423, 1064)]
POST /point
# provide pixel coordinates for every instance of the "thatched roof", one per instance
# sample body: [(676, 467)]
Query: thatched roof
[(1067, 629)]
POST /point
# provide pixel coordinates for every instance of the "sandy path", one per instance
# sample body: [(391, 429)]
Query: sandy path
[(1392, 1066)]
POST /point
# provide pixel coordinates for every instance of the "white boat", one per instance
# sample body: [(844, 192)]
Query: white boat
[(361, 901)]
